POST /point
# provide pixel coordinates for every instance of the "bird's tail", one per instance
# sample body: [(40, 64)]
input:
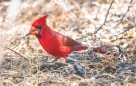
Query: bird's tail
[(101, 50)]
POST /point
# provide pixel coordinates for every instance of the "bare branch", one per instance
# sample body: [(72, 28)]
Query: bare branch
[(127, 28), (105, 17), (99, 9), (16, 53), (102, 23), (121, 20)]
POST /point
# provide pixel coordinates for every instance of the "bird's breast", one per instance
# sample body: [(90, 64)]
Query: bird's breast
[(53, 46)]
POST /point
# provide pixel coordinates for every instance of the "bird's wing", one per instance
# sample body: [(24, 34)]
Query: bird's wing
[(67, 41)]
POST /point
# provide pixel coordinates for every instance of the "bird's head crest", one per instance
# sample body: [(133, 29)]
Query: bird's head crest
[(37, 26), (41, 21)]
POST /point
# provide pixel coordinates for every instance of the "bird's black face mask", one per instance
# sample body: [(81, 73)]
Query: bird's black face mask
[(38, 29)]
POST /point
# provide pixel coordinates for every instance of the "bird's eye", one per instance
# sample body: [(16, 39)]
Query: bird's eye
[(38, 27)]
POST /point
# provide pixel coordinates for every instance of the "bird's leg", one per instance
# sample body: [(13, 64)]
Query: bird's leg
[(55, 60)]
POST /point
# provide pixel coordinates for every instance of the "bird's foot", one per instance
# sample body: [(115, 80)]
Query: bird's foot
[(54, 60), (58, 60)]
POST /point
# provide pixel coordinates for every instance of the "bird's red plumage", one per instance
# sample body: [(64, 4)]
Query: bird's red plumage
[(53, 42)]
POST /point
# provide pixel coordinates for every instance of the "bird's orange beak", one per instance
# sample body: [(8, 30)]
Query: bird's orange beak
[(33, 31)]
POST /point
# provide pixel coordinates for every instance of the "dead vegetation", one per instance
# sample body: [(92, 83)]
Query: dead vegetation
[(107, 23)]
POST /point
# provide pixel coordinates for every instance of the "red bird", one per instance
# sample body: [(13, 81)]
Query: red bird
[(55, 43)]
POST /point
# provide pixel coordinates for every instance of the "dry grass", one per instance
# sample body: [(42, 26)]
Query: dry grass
[(25, 63)]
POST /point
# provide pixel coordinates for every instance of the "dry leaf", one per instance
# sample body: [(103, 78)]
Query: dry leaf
[(112, 55), (99, 65), (104, 59), (129, 84)]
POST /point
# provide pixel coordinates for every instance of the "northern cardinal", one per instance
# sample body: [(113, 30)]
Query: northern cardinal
[(55, 43)]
